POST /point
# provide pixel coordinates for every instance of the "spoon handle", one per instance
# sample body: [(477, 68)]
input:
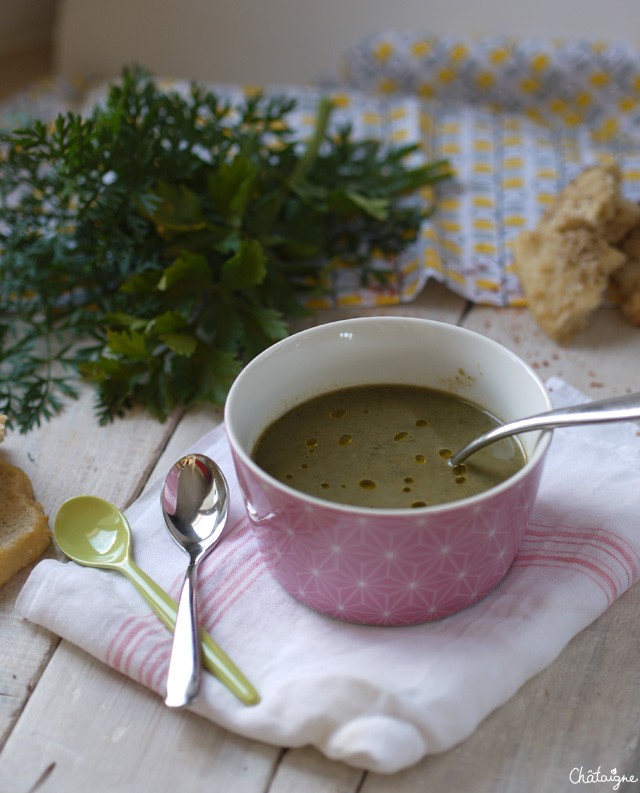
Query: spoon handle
[(183, 680), (214, 659), (624, 408)]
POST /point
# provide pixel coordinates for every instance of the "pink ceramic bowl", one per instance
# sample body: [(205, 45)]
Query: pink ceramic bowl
[(382, 566)]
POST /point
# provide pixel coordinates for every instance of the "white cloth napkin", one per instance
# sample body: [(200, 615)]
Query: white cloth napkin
[(376, 698)]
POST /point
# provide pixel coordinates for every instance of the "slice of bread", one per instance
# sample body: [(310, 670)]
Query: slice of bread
[(24, 528)]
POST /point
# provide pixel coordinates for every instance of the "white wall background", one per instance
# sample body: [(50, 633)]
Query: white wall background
[(271, 41)]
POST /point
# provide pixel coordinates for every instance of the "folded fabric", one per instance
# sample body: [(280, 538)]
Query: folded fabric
[(375, 698), (568, 82), (517, 119)]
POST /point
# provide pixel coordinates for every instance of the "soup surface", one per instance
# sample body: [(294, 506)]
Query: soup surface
[(385, 447)]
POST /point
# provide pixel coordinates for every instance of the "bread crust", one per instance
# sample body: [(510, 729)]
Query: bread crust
[(24, 526), (627, 278)]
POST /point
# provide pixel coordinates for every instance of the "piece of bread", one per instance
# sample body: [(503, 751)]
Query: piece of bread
[(24, 528), (594, 199), (566, 264), (564, 276)]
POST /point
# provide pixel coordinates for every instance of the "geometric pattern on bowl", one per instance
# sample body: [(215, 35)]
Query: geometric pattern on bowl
[(378, 570)]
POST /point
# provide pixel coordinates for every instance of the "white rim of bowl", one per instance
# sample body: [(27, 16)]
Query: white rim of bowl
[(540, 448)]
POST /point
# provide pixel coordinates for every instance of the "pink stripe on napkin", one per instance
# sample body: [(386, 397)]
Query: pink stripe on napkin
[(605, 557)]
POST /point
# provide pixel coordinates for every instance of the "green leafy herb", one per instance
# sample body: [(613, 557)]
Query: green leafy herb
[(155, 246)]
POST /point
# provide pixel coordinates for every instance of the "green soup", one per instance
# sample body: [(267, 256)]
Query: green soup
[(385, 446)]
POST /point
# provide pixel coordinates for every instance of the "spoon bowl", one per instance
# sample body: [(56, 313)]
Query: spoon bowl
[(625, 408), (95, 533), (92, 532), (195, 503)]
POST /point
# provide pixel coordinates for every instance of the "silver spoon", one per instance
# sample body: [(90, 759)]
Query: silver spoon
[(195, 502), (625, 408)]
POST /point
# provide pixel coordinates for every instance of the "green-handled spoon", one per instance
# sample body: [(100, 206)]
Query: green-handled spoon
[(93, 532)]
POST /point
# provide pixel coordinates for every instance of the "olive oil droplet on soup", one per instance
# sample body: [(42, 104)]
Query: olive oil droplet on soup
[(385, 447)]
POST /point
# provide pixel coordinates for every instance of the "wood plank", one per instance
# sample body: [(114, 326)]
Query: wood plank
[(72, 454), (601, 361), (86, 728), (69, 455), (309, 771), (25, 650)]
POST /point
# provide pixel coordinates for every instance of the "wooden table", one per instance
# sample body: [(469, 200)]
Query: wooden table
[(69, 723)]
